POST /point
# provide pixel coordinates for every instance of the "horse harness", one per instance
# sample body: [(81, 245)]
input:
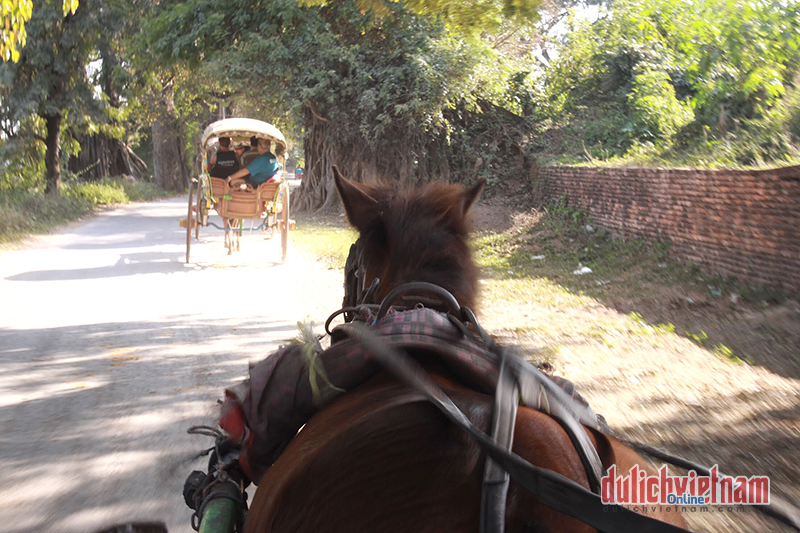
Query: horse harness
[(517, 380)]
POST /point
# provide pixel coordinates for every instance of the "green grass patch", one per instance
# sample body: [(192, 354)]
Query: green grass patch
[(561, 244), (26, 212), (114, 191), (99, 193), (328, 240)]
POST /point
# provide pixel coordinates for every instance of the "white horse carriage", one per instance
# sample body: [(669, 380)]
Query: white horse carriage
[(268, 203)]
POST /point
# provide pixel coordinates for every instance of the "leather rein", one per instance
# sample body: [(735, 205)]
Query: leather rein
[(517, 380)]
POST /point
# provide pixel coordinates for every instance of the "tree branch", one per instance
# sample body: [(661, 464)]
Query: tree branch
[(316, 115)]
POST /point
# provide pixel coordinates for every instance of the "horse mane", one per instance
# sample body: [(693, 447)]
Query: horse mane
[(414, 233)]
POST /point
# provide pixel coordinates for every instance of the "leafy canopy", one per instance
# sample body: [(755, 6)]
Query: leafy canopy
[(648, 69), (464, 17), (13, 16), (382, 82)]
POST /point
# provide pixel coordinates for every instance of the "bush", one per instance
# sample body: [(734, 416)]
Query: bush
[(114, 191), (658, 113), (142, 191), (98, 193)]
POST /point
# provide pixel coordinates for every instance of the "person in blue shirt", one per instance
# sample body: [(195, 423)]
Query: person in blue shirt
[(263, 168)]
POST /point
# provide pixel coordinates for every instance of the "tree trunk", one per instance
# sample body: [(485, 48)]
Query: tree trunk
[(102, 156), (169, 165), (324, 147), (52, 141), (317, 191)]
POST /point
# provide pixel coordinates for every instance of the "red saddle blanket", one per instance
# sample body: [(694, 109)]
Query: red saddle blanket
[(264, 412)]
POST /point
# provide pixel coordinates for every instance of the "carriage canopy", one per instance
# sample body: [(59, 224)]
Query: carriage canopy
[(241, 129)]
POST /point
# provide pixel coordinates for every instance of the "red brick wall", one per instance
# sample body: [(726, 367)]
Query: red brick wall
[(743, 223)]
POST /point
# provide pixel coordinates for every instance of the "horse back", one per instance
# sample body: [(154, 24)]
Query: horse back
[(381, 458)]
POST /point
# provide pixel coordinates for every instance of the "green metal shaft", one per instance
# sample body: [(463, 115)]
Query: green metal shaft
[(219, 516)]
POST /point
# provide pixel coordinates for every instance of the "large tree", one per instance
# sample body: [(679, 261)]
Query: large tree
[(50, 80), (105, 150), (369, 91)]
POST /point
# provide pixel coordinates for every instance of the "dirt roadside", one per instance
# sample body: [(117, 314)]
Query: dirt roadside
[(677, 387)]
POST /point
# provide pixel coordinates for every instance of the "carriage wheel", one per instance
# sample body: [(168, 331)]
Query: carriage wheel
[(189, 220), (285, 226)]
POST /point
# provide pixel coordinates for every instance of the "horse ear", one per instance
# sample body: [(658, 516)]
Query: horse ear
[(359, 206), (471, 196)]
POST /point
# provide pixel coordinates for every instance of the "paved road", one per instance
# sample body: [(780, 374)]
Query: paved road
[(110, 347)]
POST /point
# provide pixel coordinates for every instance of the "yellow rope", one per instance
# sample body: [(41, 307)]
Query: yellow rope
[(310, 351)]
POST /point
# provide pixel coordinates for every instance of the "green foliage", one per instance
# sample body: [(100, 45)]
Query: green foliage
[(50, 79), (736, 54), (464, 17), (13, 16), (664, 81), (397, 95), (50, 76), (98, 193), (21, 160), (114, 191), (141, 191), (657, 113)]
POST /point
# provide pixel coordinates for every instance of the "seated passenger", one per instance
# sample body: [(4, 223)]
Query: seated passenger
[(224, 161), (240, 150), (248, 152), (262, 169)]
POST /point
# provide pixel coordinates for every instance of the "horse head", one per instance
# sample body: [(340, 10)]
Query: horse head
[(415, 234)]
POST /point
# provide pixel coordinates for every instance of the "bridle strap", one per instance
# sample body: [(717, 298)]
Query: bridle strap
[(534, 389), (550, 488), (495, 479), (539, 392)]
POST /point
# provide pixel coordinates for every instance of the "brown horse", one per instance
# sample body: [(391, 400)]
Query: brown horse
[(380, 457)]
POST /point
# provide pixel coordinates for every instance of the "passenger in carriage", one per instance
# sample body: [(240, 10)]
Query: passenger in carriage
[(247, 152), (264, 168), (240, 150), (224, 161)]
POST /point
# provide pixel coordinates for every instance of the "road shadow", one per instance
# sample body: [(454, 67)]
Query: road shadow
[(128, 265), (145, 241), (100, 432)]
